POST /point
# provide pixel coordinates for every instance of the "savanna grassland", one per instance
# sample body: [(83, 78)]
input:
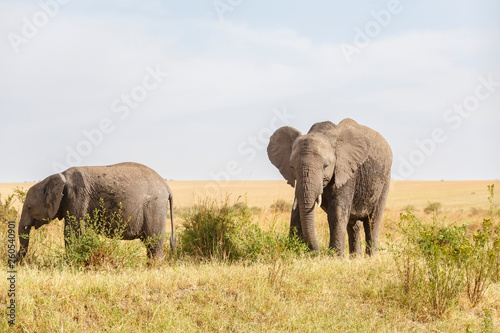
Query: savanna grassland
[(436, 269)]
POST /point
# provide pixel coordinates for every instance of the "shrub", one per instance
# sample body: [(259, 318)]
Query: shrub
[(435, 265), (223, 232), (209, 230), (432, 207), (243, 205), (93, 245), (7, 211), (281, 206), (428, 265), (483, 262)]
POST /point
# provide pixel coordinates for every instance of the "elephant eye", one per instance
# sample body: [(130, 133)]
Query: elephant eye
[(325, 165)]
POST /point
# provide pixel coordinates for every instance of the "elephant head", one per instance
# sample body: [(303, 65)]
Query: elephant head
[(328, 155), (40, 207)]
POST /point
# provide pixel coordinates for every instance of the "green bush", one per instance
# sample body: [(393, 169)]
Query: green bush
[(437, 264), (483, 260), (93, 245), (428, 265), (7, 211), (224, 232)]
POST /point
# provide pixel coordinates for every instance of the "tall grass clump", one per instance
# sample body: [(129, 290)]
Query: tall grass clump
[(437, 264), (223, 232)]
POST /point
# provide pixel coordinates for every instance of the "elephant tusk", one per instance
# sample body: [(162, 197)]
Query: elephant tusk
[(294, 203), (319, 200)]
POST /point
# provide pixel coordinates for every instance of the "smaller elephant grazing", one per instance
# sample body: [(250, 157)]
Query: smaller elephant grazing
[(346, 169), (139, 192)]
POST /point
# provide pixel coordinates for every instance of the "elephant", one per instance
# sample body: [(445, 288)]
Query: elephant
[(346, 169), (134, 190)]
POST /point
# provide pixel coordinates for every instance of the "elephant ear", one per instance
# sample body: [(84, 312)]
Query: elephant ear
[(280, 149), (52, 192), (351, 151)]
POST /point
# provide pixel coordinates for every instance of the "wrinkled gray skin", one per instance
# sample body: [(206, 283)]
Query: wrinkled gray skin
[(346, 167), (144, 195)]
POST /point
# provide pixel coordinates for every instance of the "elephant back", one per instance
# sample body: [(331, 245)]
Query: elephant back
[(380, 150)]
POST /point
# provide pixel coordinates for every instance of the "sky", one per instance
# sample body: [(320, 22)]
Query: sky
[(194, 89)]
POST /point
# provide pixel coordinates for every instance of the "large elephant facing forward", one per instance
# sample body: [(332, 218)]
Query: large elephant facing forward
[(346, 168), (140, 192)]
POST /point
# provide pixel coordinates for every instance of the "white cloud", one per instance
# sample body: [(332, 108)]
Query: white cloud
[(65, 79)]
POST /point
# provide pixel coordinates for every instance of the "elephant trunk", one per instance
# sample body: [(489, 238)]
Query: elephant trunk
[(23, 232), (308, 192)]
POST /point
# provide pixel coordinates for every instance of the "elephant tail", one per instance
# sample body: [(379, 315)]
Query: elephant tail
[(173, 242)]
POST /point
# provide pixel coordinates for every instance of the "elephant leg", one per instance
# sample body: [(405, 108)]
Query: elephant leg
[(372, 228), (354, 235), (338, 220), (154, 246), (295, 225), (372, 223)]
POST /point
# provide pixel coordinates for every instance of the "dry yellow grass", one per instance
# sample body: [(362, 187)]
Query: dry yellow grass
[(455, 195), (311, 294), (257, 193)]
